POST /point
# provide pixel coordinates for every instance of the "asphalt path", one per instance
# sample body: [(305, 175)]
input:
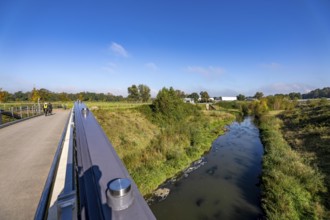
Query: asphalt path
[(27, 150)]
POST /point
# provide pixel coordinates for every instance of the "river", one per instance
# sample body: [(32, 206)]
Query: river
[(226, 186)]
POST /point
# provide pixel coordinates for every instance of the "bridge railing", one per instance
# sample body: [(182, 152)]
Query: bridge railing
[(105, 189), (97, 184), (15, 113)]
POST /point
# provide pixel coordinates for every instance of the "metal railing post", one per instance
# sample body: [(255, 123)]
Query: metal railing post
[(20, 109), (27, 111)]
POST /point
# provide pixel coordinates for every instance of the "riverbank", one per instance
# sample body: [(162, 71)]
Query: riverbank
[(223, 184), (291, 185), (154, 149), (307, 130)]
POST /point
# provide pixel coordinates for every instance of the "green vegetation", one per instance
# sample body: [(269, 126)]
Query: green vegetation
[(48, 96), (318, 93), (307, 130), (159, 140), (291, 186), (204, 96), (296, 168), (138, 93), (114, 105)]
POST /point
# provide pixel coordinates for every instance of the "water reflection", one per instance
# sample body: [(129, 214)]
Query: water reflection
[(226, 186)]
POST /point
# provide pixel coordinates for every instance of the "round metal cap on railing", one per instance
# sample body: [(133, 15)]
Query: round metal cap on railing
[(119, 194), (120, 187), (85, 112)]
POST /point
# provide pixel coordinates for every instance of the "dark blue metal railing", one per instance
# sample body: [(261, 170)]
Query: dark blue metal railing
[(97, 184)]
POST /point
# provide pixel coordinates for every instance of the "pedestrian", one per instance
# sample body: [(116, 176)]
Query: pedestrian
[(50, 108), (45, 108)]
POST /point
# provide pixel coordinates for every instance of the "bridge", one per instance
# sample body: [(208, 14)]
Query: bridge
[(64, 167)]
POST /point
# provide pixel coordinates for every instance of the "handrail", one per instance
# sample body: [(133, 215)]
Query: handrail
[(18, 115), (100, 171), (42, 209), (97, 184)]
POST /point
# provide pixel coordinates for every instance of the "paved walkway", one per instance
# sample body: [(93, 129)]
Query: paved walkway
[(27, 150)]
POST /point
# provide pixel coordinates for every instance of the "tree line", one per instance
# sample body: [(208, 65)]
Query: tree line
[(46, 95), (139, 93), (318, 93)]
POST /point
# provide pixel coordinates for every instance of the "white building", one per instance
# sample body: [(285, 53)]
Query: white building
[(223, 98), (189, 100)]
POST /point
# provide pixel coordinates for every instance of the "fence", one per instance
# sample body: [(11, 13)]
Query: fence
[(10, 113), (97, 184)]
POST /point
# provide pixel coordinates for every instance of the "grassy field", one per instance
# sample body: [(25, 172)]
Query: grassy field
[(154, 150), (307, 130), (295, 178), (114, 105)]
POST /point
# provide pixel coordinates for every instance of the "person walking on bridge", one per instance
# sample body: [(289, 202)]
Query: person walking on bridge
[(45, 108), (50, 108)]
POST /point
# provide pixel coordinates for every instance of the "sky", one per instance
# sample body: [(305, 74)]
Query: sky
[(224, 47)]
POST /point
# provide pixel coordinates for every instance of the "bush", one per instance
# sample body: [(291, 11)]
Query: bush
[(157, 141)]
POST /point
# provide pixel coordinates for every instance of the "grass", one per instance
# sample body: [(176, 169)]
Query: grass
[(275, 112), (114, 105), (154, 149), (291, 185), (307, 130)]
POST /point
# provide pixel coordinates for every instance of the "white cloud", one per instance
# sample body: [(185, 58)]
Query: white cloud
[(205, 71), (110, 67), (118, 50), (285, 88), (151, 66)]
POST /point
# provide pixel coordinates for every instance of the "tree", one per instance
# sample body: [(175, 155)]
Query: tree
[(180, 93), (64, 97), (317, 93), (258, 95), (294, 95), (133, 93), (34, 95), (194, 96), (20, 96), (240, 97), (204, 96), (260, 107), (144, 93), (169, 105), (44, 94), (81, 96), (4, 95)]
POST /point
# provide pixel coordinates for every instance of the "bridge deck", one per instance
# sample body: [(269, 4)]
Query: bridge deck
[(26, 153)]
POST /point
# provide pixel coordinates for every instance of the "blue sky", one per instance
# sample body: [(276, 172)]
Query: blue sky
[(225, 47)]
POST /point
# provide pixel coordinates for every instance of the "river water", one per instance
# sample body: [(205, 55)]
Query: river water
[(226, 186)]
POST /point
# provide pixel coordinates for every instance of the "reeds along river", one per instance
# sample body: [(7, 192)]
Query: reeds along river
[(226, 186)]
